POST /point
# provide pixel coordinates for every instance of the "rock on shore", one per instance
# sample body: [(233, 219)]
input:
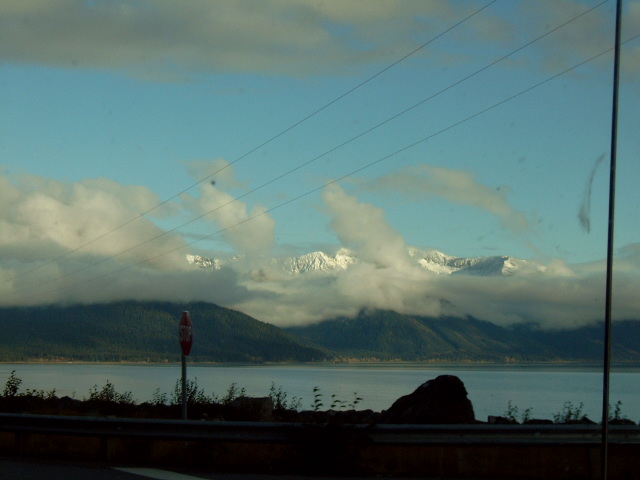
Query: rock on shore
[(442, 400)]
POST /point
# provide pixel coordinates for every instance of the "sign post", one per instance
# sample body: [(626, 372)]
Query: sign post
[(186, 341)]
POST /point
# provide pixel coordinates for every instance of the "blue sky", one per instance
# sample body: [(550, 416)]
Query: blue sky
[(115, 109)]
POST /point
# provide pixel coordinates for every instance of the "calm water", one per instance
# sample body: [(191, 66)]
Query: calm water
[(544, 389)]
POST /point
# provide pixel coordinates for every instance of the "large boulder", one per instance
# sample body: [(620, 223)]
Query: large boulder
[(442, 400)]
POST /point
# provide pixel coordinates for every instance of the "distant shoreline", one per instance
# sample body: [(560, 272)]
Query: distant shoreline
[(458, 365)]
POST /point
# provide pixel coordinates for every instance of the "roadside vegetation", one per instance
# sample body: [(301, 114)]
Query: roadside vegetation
[(106, 400), (569, 414), (233, 404)]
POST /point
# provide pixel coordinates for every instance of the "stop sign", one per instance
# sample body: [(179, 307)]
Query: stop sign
[(186, 333)]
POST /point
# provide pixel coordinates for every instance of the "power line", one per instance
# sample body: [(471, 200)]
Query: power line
[(258, 147), (351, 173), (300, 166)]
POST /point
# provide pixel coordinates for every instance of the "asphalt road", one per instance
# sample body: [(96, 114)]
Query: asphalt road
[(52, 470), (38, 469)]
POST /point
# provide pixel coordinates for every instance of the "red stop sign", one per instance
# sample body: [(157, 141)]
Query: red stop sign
[(186, 333)]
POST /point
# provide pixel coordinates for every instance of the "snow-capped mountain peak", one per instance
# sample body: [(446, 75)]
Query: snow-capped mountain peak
[(319, 261), (442, 263), (204, 262), (430, 259)]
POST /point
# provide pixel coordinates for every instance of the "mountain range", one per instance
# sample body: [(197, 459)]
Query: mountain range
[(430, 259), (148, 331)]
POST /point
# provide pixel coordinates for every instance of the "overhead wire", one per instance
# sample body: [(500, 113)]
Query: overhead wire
[(259, 146), (298, 167), (351, 173)]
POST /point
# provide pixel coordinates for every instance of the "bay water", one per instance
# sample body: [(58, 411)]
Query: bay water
[(544, 389)]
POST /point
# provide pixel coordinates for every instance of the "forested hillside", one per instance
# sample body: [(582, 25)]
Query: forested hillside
[(142, 331), (387, 335), (148, 331)]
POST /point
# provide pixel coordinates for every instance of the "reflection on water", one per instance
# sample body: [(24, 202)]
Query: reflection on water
[(544, 389)]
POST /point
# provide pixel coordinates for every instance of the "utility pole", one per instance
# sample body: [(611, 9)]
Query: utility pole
[(186, 341), (610, 232)]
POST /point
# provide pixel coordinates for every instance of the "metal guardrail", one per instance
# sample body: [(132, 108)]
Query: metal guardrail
[(250, 432)]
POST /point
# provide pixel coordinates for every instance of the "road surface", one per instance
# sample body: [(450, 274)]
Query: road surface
[(30, 469)]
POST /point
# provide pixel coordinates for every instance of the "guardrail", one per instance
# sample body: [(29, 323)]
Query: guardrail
[(444, 450), (287, 432)]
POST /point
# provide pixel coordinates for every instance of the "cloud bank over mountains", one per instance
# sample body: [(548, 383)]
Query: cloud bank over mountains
[(87, 242)]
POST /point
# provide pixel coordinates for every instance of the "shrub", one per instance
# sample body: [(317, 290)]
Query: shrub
[(232, 393), (158, 398), (280, 400), (617, 412), (317, 399), (12, 386), (511, 414), (41, 394), (570, 413), (108, 394), (336, 403), (195, 394)]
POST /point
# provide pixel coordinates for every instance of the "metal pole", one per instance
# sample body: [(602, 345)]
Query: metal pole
[(609, 285), (184, 386)]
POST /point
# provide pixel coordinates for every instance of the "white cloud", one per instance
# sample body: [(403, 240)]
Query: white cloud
[(250, 231), (362, 227), (86, 242), (456, 186), (553, 295), (44, 218), (43, 222), (384, 277)]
